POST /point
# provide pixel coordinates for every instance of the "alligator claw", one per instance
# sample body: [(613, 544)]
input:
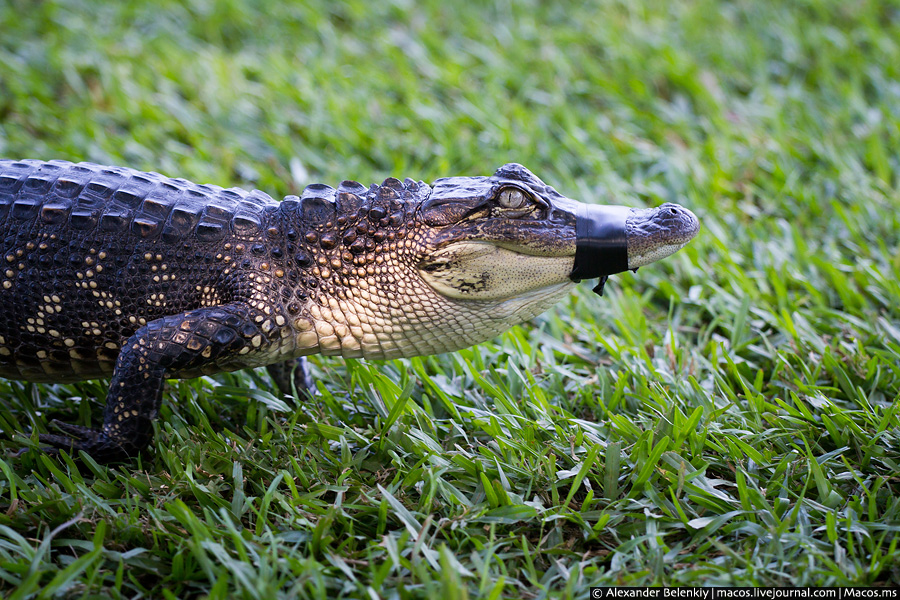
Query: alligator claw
[(79, 432), (57, 443), (93, 441)]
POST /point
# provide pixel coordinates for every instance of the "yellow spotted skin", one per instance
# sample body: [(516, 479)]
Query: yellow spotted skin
[(112, 272)]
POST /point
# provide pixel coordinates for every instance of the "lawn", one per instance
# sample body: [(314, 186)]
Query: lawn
[(728, 416)]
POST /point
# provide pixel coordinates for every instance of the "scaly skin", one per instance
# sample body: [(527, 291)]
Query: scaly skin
[(111, 272)]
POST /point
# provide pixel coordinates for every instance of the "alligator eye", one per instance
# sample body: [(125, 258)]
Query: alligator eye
[(512, 198)]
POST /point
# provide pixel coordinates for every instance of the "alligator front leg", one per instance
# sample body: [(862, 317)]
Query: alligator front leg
[(188, 342)]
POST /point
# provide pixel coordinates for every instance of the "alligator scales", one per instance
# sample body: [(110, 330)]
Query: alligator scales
[(112, 272)]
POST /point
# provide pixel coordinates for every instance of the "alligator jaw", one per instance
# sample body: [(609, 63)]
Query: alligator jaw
[(612, 239)]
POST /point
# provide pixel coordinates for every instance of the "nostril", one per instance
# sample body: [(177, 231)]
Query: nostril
[(669, 210)]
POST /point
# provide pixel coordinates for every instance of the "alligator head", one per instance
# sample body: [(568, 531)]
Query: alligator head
[(439, 268)]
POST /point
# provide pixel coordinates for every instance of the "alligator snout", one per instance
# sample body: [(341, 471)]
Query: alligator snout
[(612, 239), (655, 233), (674, 219)]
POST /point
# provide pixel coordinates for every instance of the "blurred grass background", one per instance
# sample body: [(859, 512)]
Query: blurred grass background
[(728, 416)]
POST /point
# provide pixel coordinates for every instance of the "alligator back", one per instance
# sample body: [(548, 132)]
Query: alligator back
[(89, 254)]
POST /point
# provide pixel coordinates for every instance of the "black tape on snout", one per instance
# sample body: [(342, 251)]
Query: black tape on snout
[(601, 243)]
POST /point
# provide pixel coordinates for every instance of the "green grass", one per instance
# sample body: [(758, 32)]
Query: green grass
[(728, 416)]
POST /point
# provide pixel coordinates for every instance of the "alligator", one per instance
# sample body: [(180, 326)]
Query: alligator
[(112, 272)]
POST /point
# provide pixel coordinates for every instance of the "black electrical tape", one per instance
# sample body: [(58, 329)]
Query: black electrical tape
[(601, 241)]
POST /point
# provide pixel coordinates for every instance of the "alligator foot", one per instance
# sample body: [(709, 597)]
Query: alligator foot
[(95, 442), (292, 374)]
